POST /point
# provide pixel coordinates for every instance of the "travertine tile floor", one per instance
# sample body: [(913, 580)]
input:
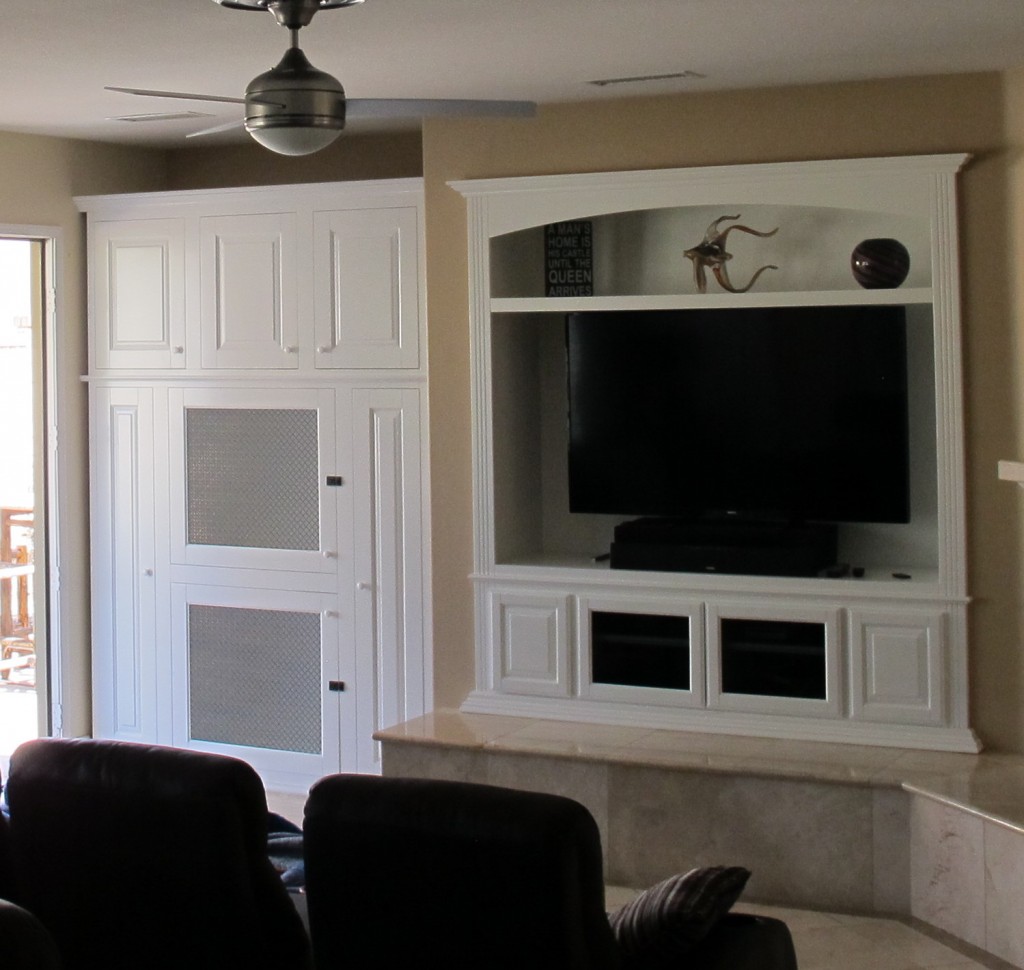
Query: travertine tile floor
[(831, 941)]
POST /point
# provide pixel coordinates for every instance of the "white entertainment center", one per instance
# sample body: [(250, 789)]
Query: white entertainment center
[(887, 647)]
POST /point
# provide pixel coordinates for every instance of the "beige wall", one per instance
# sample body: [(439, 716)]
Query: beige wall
[(38, 179), (998, 425), (352, 156), (981, 114)]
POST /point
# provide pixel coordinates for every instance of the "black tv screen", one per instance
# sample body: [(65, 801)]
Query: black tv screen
[(780, 413)]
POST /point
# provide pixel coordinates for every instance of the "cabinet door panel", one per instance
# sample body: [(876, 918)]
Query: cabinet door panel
[(138, 293), (250, 675), (389, 566), (249, 478), (530, 642), (248, 291), (366, 289), (774, 659), (123, 565), (898, 662), (641, 649)]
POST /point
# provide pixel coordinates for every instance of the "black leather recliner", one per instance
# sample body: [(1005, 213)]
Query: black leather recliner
[(6, 859), (24, 941), (139, 856), (477, 876)]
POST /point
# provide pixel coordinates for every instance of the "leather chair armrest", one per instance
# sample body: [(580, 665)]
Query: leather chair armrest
[(741, 941)]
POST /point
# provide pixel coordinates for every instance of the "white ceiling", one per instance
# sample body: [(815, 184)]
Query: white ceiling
[(57, 55)]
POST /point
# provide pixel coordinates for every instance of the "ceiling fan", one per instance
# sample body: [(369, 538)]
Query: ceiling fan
[(295, 109)]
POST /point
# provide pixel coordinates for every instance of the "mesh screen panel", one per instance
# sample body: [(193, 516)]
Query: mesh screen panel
[(254, 677), (252, 477)]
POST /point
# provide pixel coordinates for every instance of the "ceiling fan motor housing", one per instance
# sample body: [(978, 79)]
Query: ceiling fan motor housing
[(294, 94)]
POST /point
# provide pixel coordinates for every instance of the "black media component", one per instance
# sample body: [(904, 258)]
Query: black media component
[(773, 658), (838, 571), (796, 414), (640, 650), (726, 546)]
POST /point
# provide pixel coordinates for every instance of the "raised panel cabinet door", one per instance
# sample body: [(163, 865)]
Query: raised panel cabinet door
[(248, 291), (124, 634), (366, 288), (137, 273), (530, 642), (898, 666), (390, 564)]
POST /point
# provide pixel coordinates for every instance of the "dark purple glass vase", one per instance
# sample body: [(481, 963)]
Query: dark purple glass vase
[(880, 264)]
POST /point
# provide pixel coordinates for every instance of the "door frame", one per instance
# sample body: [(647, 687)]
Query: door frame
[(52, 615)]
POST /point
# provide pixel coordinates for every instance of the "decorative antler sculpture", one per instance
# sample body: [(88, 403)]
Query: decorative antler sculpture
[(711, 254)]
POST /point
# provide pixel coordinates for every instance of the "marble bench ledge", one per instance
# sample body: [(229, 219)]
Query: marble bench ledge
[(990, 786)]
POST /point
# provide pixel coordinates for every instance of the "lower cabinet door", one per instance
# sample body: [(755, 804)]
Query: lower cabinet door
[(390, 610), (642, 650), (782, 659), (251, 669), (530, 642), (125, 565), (898, 666)]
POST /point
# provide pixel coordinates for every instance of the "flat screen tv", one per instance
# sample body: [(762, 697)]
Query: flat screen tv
[(780, 413)]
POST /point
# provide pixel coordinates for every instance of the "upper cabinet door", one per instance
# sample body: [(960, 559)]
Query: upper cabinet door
[(248, 291), (254, 480), (138, 293), (366, 273)]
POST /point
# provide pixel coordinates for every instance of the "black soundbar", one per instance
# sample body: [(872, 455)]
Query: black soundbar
[(726, 546)]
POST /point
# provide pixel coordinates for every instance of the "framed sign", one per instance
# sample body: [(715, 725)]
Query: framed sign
[(569, 259)]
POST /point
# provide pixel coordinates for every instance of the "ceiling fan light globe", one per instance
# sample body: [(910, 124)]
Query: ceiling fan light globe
[(294, 140)]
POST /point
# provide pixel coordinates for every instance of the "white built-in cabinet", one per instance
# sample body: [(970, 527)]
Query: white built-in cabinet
[(557, 630), (259, 489)]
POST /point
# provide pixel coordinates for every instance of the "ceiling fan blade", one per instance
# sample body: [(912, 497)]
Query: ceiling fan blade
[(449, 108), (176, 94), (145, 92), (216, 129)]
